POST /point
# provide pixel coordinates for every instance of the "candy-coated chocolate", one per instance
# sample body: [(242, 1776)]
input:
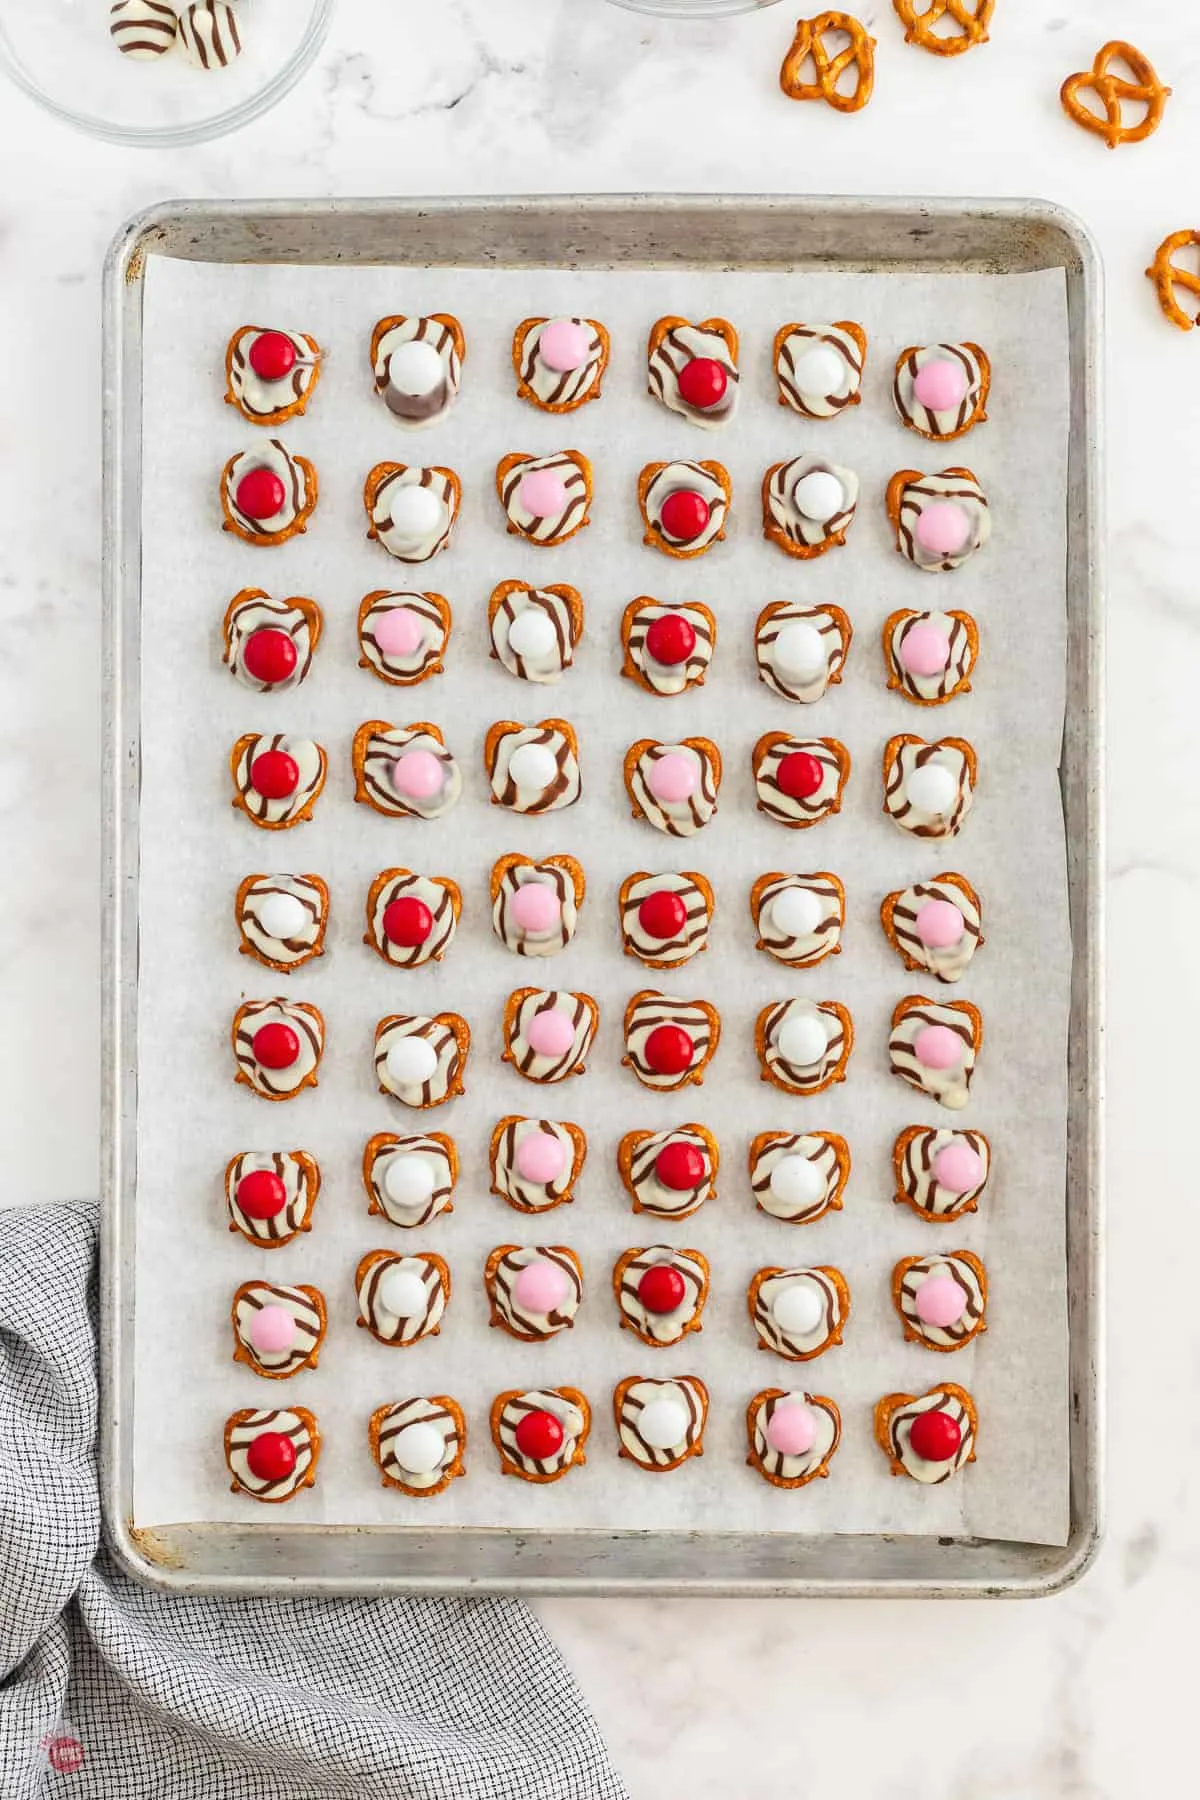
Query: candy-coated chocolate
[(802, 1040), (540, 1287), (796, 912), (272, 1330), (261, 1194), (417, 775), (937, 1047), (672, 778), (282, 916), (401, 1293), (799, 650), (684, 515), (940, 385), (410, 1061), (924, 650), (796, 1181), (670, 639), (409, 1179), (417, 513), (540, 1157), (819, 495), (539, 1436), (797, 1309), (563, 345), (415, 368), (407, 922), (932, 789), (542, 493), (419, 1448), (532, 766), (260, 494), (669, 1050), (792, 1429), (942, 528), (939, 1301), (275, 774), (535, 907), (958, 1168), (532, 634), (269, 655), (939, 924), (550, 1033), (935, 1436), (820, 371), (702, 382), (272, 355), (679, 1167), (662, 1288), (271, 1456), (663, 1424), (663, 914), (398, 632), (799, 775), (276, 1046)]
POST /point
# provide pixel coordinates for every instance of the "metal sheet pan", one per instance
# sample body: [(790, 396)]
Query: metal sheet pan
[(779, 232)]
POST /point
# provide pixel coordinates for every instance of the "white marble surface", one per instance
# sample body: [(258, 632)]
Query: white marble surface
[(1085, 1697)]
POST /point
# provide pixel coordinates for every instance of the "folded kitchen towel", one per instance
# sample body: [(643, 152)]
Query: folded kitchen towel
[(109, 1689)]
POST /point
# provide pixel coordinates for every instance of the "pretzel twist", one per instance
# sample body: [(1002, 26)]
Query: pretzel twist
[(809, 41), (1112, 90), (972, 21), (1167, 276)]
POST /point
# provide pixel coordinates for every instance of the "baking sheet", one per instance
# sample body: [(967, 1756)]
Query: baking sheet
[(195, 849)]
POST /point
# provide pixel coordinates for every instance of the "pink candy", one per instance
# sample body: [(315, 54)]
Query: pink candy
[(940, 385), (958, 1168), (924, 650), (551, 1033), (673, 777), (535, 907), (563, 345), (942, 528), (272, 1331), (540, 1157), (939, 924), (939, 1301), (417, 774), (937, 1047), (540, 1287), (791, 1430), (398, 632), (542, 493)]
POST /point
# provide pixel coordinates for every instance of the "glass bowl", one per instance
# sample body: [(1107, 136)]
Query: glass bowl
[(693, 9), (61, 53)]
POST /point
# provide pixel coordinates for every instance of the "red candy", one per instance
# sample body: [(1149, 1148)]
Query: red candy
[(261, 1194), (272, 355), (680, 1166), (275, 775), (670, 640), (271, 1456), (684, 515), (539, 1436), (669, 1050), (702, 382), (260, 494), (276, 1046), (270, 655), (799, 775), (935, 1436), (662, 914), (407, 922), (662, 1288)]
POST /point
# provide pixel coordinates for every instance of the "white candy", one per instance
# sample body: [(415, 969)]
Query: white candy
[(282, 916), (802, 1039), (800, 650), (796, 912), (417, 514), (796, 1182), (419, 1448), (797, 1309), (932, 789), (415, 369), (401, 1293), (532, 633), (410, 1060), (409, 1179), (208, 34), (532, 767), (822, 373), (663, 1425), (818, 495), (142, 29)]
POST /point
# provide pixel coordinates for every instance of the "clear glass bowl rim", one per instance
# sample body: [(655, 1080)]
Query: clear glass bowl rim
[(198, 130), (693, 9)]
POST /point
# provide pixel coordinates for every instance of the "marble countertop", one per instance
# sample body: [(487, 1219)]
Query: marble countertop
[(1087, 1695)]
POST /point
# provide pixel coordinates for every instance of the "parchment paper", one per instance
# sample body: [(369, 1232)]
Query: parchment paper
[(196, 848)]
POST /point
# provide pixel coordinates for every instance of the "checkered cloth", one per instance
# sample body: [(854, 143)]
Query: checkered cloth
[(109, 1690)]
